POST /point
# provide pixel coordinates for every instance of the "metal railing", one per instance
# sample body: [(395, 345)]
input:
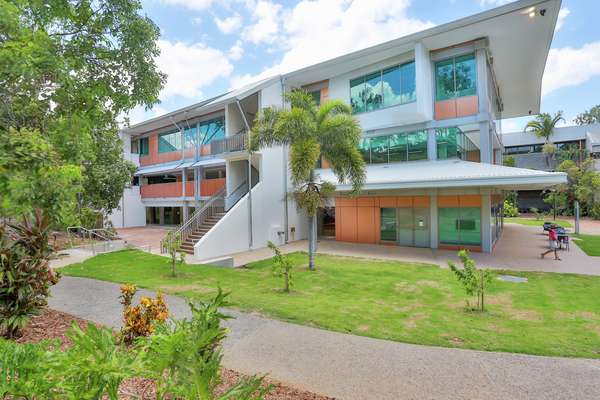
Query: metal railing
[(105, 237), (213, 206), (229, 144)]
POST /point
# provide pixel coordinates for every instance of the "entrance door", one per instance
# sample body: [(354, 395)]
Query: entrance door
[(405, 227), (421, 227)]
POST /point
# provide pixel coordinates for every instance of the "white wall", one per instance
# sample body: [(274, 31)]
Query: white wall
[(131, 212)]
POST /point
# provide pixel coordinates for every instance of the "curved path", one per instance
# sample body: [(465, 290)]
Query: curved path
[(353, 367)]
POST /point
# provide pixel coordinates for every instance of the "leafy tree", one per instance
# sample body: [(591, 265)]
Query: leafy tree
[(591, 116), (173, 244), (583, 185), (475, 281), (282, 266), (543, 125), (509, 161), (310, 131), (25, 276), (68, 70)]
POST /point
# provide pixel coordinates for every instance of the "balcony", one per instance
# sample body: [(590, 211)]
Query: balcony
[(208, 187), (229, 144)]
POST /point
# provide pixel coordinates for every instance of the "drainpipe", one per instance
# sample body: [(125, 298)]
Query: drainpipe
[(286, 222), (250, 236)]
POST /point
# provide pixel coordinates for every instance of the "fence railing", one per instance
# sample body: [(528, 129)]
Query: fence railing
[(212, 207), (229, 144)]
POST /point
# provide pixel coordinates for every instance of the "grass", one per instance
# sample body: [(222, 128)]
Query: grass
[(590, 244), (552, 314), (536, 222)]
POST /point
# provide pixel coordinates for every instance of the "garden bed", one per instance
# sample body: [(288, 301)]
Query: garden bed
[(54, 325)]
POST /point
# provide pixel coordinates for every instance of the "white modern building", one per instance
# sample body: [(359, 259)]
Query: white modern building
[(427, 104)]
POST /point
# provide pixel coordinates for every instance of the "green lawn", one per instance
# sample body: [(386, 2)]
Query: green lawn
[(590, 244), (552, 314), (535, 222)]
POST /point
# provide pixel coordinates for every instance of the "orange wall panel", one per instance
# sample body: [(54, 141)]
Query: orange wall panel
[(468, 105), (345, 201), (421, 201), (469, 200), (172, 189), (189, 189), (208, 187), (448, 201), (348, 224), (365, 201), (404, 201), (473, 155), (387, 202), (445, 109), (324, 94), (365, 225), (205, 150)]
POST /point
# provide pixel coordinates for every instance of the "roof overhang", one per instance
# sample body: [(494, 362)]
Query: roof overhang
[(449, 174), (178, 166), (518, 45)]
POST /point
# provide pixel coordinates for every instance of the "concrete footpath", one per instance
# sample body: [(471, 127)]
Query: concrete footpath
[(353, 367)]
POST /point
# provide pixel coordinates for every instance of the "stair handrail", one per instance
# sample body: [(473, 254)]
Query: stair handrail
[(209, 209), (89, 232)]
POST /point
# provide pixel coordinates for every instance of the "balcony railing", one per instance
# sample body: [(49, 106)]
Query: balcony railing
[(229, 144), (208, 187)]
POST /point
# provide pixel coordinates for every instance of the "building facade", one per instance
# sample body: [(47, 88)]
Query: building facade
[(428, 105)]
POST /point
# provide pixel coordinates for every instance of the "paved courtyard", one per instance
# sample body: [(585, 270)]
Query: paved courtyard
[(354, 367), (147, 237), (519, 249)]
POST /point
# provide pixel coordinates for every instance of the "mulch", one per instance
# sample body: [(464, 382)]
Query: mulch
[(54, 324)]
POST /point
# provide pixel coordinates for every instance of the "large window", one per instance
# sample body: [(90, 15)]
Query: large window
[(189, 137), (212, 130), (144, 147), (460, 226), (389, 87), (409, 146), (456, 77), (170, 141), (453, 143)]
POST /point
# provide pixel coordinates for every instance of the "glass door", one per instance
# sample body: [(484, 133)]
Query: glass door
[(421, 227), (388, 224), (405, 227)]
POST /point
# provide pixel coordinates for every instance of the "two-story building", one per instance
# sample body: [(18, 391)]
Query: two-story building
[(428, 105)]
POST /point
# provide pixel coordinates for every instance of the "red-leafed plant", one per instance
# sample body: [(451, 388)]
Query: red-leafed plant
[(25, 275)]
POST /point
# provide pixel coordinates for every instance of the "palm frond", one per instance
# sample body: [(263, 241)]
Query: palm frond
[(304, 154), (263, 133), (331, 108)]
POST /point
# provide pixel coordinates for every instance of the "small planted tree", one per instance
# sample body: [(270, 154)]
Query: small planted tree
[(25, 276), (173, 244), (475, 281), (282, 266)]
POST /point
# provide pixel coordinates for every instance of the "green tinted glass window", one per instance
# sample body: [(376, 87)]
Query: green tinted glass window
[(144, 147), (448, 225), (417, 146), (408, 82), (364, 146), (316, 95), (456, 77), (189, 137), (168, 142), (388, 224), (398, 147), (357, 89), (373, 96), (446, 143), (379, 149), (444, 80), (460, 226), (212, 130), (466, 76)]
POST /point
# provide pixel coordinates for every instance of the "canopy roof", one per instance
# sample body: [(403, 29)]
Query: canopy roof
[(449, 174)]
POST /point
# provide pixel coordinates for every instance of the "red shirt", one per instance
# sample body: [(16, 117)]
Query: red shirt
[(552, 234)]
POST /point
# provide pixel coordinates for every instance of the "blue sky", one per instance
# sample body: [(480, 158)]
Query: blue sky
[(210, 46)]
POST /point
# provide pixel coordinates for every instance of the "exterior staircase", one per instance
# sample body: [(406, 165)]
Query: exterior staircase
[(187, 245)]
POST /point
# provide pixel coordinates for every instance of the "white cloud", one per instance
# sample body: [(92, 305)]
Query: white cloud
[(494, 3), (266, 19), (571, 67), (236, 51), (191, 4), (190, 67), (318, 30), (230, 24), (562, 15)]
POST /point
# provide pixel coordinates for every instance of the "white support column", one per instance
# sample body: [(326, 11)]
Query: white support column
[(485, 143), (486, 218), (482, 81), (431, 145), (433, 224)]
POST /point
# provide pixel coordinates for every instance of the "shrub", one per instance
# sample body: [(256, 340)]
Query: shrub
[(282, 266), (142, 319), (538, 214), (510, 210), (473, 280), (25, 276), (182, 357), (173, 246)]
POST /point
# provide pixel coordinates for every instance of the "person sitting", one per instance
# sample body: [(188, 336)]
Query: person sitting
[(553, 243)]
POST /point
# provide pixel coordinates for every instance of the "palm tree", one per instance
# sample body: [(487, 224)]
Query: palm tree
[(310, 132), (543, 125)]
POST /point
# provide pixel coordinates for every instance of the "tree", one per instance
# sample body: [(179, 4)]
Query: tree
[(310, 131), (543, 125), (68, 70), (591, 116), (282, 266), (173, 245), (475, 281), (583, 185)]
